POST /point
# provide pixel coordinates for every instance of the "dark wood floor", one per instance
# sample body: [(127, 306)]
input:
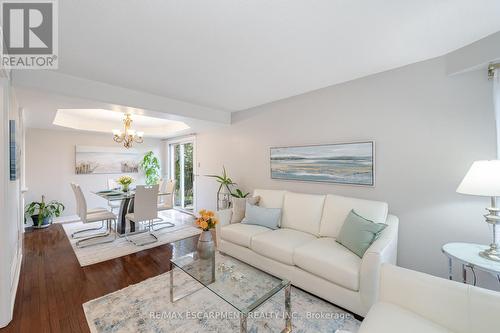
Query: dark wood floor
[(53, 286)]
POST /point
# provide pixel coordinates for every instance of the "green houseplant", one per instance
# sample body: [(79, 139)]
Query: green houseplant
[(150, 164), (224, 192), (239, 194), (43, 212)]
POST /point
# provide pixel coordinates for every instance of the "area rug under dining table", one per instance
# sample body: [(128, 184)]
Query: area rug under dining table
[(120, 247), (146, 307)]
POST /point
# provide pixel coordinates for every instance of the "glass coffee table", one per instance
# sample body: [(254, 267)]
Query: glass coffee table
[(242, 286)]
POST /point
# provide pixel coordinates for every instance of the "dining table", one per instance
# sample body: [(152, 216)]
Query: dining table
[(126, 206)]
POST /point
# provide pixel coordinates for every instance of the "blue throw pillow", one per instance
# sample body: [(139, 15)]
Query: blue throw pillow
[(266, 217)]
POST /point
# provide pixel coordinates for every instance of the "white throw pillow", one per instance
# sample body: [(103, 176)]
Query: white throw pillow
[(239, 206)]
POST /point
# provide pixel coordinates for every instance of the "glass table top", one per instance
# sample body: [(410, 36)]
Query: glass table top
[(118, 195), (468, 253), (239, 284)]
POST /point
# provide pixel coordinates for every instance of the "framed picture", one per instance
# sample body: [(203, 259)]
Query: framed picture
[(341, 163), (105, 160), (13, 154)]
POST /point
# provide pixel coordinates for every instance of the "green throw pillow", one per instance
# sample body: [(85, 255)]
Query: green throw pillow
[(358, 233)]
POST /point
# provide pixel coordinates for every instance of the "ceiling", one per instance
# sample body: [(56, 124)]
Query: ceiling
[(56, 112), (237, 54), (101, 120)]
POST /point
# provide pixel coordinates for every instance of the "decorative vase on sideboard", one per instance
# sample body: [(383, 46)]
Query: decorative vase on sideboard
[(206, 246)]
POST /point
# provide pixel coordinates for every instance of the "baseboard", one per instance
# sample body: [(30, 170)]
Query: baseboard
[(15, 285), (13, 290)]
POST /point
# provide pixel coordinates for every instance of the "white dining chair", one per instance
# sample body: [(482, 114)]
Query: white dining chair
[(165, 202), (89, 211), (145, 210), (113, 185), (99, 216)]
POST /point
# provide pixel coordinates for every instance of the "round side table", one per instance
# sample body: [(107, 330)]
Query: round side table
[(467, 254)]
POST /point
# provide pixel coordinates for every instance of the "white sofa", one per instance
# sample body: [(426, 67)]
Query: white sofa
[(304, 249), (414, 302)]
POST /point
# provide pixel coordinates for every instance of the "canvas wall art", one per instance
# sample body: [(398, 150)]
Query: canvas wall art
[(106, 160), (345, 163), (13, 153)]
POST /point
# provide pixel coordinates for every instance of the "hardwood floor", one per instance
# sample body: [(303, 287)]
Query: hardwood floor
[(53, 286)]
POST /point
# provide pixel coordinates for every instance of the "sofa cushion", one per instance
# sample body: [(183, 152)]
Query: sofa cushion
[(337, 208), (302, 212), (358, 233), (280, 244), (270, 198), (266, 217), (326, 258), (241, 234), (390, 318), (239, 207)]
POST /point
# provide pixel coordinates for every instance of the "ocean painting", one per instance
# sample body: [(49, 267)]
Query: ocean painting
[(110, 160), (347, 163)]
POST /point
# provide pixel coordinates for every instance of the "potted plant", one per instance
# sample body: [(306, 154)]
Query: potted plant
[(239, 194), (150, 164), (125, 182), (224, 192), (42, 212), (206, 221)]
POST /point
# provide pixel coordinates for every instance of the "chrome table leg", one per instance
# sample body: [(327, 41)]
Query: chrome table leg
[(288, 309), (243, 322)]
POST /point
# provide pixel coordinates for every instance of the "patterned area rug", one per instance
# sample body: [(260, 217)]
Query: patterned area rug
[(121, 247), (146, 307)]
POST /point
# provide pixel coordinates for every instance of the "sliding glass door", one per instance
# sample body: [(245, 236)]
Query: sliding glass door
[(182, 170)]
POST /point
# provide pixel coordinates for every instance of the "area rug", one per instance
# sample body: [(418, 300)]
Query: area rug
[(121, 247), (146, 307)]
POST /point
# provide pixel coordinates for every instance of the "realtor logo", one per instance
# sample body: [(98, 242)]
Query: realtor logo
[(29, 32)]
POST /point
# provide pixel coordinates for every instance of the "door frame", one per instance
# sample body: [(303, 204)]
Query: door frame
[(170, 164)]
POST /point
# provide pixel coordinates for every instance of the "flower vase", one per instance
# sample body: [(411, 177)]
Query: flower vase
[(206, 246), (125, 188)]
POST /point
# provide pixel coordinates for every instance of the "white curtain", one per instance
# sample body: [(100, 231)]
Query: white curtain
[(496, 102)]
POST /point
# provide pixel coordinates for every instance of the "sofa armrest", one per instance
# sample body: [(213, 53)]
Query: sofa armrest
[(383, 250), (224, 217), (436, 299)]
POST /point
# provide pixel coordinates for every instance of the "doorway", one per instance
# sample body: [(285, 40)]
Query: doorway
[(181, 168)]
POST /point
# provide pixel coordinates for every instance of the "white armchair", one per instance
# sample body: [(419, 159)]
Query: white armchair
[(414, 302)]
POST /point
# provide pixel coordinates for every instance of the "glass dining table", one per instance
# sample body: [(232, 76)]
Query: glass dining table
[(126, 206)]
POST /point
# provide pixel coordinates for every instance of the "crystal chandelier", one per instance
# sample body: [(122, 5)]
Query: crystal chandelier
[(129, 136)]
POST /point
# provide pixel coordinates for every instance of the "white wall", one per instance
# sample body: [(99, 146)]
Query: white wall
[(11, 216), (428, 128), (50, 166)]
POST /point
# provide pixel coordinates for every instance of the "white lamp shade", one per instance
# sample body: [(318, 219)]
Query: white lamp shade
[(483, 178)]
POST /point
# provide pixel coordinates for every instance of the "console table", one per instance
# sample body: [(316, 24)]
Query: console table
[(467, 254)]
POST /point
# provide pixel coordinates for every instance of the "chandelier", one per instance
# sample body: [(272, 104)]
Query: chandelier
[(129, 136)]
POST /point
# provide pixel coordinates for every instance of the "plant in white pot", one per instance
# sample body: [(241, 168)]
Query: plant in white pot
[(224, 192)]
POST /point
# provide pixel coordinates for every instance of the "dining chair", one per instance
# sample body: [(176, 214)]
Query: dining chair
[(89, 211), (113, 185), (100, 216), (166, 202), (145, 210)]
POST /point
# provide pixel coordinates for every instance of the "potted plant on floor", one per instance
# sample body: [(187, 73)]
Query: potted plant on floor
[(150, 164), (43, 212)]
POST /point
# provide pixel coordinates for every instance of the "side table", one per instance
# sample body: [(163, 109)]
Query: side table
[(467, 254)]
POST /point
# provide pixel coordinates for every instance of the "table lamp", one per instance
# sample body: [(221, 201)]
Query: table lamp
[(483, 179)]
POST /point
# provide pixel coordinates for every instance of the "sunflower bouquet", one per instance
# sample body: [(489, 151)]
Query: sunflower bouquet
[(207, 220)]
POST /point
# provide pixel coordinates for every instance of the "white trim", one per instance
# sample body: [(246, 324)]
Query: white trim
[(15, 284), (170, 153)]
